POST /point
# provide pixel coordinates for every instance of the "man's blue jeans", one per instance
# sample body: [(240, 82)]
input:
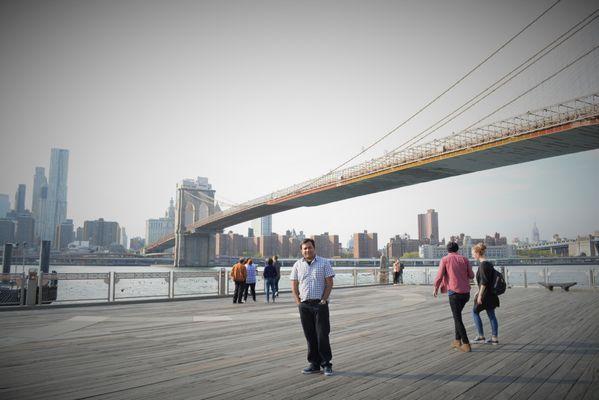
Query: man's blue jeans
[(479, 323), (270, 286)]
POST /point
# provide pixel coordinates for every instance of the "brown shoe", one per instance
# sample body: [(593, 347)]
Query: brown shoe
[(456, 344), (466, 348)]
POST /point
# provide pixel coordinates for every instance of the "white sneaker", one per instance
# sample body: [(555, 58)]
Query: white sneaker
[(478, 340)]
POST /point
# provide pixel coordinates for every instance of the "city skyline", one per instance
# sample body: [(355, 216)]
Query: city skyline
[(184, 106)]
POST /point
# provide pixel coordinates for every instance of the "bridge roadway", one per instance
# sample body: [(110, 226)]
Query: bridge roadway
[(553, 133), (388, 342)]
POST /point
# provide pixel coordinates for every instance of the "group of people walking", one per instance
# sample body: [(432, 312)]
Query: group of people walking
[(453, 278), (244, 274), (312, 281)]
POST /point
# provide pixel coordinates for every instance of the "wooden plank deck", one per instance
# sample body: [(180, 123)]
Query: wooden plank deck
[(388, 343)]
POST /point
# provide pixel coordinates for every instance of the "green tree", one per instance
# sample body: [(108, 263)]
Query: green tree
[(411, 254)]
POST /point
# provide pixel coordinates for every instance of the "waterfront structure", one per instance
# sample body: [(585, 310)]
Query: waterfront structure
[(56, 196), (401, 244), (20, 198), (7, 231), (65, 234), (157, 228), (101, 233), (327, 245), (262, 226), (4, 205), (366, 245), (428, 227)]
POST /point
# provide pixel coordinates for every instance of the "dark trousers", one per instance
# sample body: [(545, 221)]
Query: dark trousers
[(246, 290), (457, 301), (277, 285), (237, 295), (315, 322), (396, 278)]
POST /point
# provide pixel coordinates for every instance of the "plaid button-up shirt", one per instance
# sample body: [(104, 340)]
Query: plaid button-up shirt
[(311, 277)]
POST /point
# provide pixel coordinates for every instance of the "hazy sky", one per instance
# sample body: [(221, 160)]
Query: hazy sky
[(259, 95)]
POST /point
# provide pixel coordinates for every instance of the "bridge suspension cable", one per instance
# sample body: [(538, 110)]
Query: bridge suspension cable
[(206, 197), (501, 81), (434, 100), (535, 86)]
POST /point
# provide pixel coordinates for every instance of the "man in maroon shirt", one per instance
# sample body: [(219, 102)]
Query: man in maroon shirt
[(454, 277)]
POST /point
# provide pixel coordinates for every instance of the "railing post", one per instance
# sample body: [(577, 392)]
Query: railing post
[(109, 280), (590, 278), (546, 275), (114, 278), (525, 279), (171, 285), (40, 291), (23, 283), (222, 285), (355, 273)]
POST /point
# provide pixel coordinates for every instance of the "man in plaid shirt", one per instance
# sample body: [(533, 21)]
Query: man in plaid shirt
[(311, 285)]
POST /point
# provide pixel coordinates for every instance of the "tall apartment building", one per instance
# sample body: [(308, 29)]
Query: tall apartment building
[(7, 231), (39, 199), (20, 198), (4, 205), (65, 234), (101, 233), (327, 246), (428, 227), (401, 244), (366, 245)]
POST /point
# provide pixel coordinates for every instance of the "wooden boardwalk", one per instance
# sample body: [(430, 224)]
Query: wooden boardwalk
[(388, 343)]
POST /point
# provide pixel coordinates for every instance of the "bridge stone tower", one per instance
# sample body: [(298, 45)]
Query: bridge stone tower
[(195, 200)]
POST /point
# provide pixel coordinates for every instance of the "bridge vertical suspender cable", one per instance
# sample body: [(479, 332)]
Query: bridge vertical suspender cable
[(475, 99), (434, 100)]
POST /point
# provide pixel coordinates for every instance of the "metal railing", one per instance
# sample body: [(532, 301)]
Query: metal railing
[(65, 288)]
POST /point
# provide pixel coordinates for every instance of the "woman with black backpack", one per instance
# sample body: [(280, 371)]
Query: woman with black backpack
[(486, 298)]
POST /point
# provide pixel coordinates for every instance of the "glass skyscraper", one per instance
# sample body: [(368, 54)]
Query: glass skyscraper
[(56, 212)]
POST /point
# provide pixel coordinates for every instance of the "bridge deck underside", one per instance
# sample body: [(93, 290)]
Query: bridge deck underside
[(570, 141), (573, 141)]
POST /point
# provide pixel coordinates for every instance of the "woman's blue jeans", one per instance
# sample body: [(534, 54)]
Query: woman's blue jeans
[(479, 323)]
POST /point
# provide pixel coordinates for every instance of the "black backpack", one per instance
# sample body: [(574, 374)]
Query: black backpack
[(499, 284)]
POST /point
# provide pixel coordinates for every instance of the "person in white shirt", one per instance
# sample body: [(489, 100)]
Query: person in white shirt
[(311, 285)]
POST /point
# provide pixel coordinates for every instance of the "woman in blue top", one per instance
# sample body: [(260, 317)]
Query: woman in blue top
[(250, 280), (270, 277)]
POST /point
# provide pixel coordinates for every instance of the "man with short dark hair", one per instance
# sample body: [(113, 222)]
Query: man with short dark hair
[(311, 285), (453, 277), (238, 274)]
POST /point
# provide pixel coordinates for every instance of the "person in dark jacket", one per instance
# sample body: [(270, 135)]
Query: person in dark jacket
[(485, 299), (270, 277)]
